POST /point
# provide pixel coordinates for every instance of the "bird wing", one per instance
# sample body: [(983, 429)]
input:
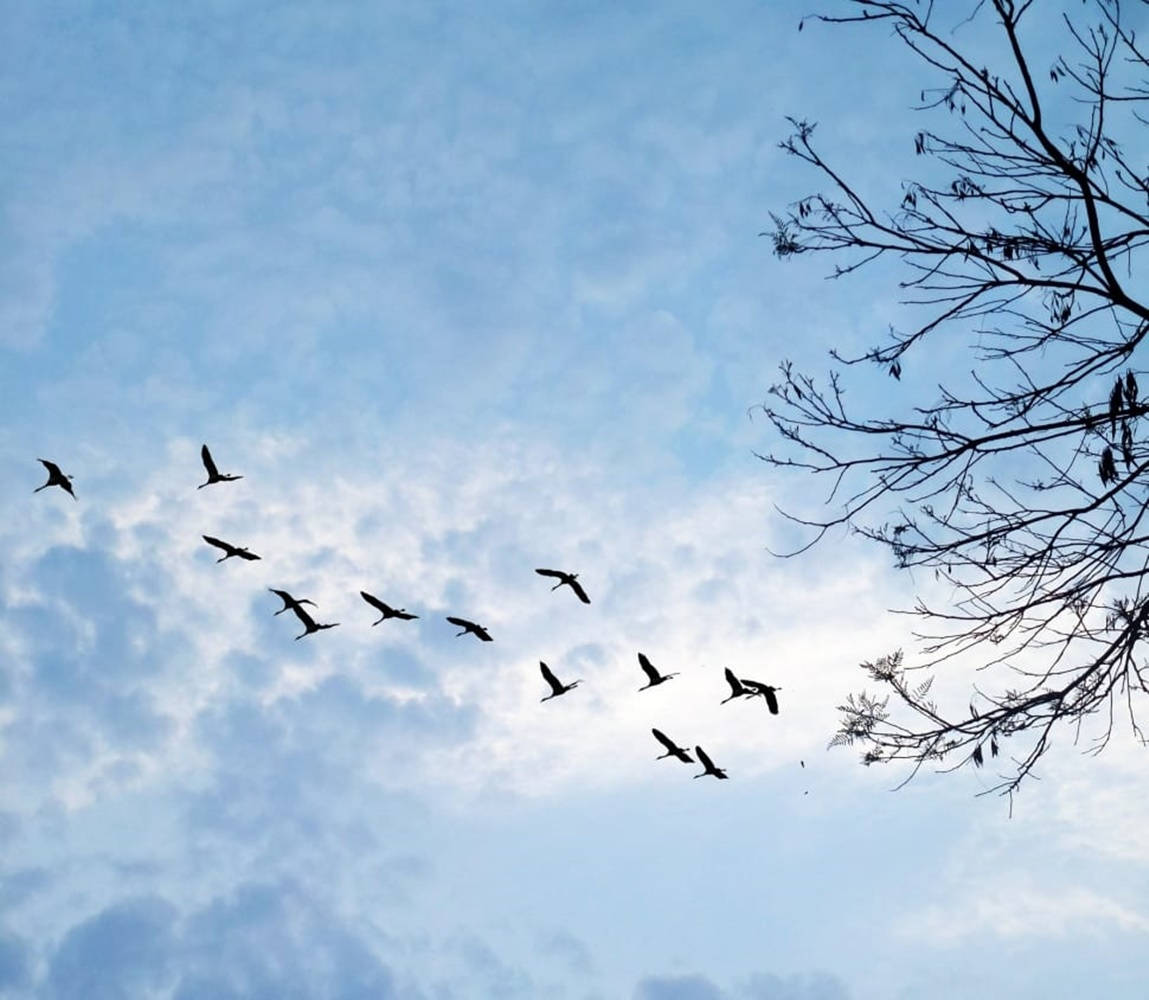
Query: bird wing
[(706, 761), (208, 464), (550, 678), (648, 668), (557, 574), (665, 740), (283, 595), (771, 701), (52, 467), (734, 682), (219, 543), (303, 616), (577, 588), (374, 602), (244, 554), (461, 622)]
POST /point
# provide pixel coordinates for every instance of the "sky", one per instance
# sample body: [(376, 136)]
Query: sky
[(462, 291)]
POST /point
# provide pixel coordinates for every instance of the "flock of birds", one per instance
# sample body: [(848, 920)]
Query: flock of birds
[(740, 687)]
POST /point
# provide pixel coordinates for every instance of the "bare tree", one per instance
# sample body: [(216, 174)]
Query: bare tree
[(1022, 483)]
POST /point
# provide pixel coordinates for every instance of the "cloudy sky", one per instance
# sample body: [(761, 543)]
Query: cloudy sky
[(463, 290)]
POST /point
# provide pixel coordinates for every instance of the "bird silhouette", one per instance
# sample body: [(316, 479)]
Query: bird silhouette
[(557, 686), (476, 630), (385, 609), (289, 602), (755, 688), (55, 478), (736, 688), (671, 749), (652, 673), (570, 579), (213, 474), (310, 625), (229, 549), (707, 763)]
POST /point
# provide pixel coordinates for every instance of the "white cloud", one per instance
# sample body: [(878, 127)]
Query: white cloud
[(1020, 910)]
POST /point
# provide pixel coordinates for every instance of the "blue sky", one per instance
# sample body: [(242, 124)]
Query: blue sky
[(460, 293)]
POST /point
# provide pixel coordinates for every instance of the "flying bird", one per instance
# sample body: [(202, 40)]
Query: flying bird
[(213, 474), (652, 673), (229, 549), (55, 478), (385, 609), (557, 686), (736, 688), (671, 749), (766, 690), (707, 763), (476, 630), (289, 602), (310, 625), (570, 579)]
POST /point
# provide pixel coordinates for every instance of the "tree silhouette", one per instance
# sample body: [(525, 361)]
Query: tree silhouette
[(1021, 481)]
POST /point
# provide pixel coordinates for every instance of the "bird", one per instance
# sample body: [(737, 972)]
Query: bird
[(309, 624), (476, 630), (386, 609), (707, 763), (213, 474), (736, 688), (570, 579), (671, 749), (55, 478), (289, 602), (557, 686), (767, 692), (651, 672), (231, 550)]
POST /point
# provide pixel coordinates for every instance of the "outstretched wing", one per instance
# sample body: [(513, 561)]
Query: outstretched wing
[(52, 467), (577, 588), (706, 761), (557, 574), (461, 622), (735, 684), (376, 603), (767, 692), (219, 543), (550, 678), (665, 740), (648, 668), (303, 616), (208, 464)]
